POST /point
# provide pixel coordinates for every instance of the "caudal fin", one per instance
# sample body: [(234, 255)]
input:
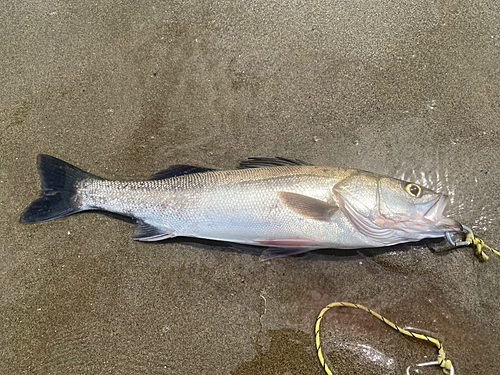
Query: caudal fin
[(59, 182)]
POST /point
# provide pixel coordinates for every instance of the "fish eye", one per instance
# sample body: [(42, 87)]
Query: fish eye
[(414, 190)]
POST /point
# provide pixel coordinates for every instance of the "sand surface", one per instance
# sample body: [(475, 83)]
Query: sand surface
[(124, 89)]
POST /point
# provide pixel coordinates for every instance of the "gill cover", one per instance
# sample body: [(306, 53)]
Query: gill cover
[(390, 211)]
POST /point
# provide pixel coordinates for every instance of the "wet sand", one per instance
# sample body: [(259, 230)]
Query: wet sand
[(126, 89)]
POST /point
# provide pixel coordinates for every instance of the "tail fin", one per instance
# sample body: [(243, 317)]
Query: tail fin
[(59, 182)]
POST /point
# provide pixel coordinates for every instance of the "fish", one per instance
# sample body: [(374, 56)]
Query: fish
[(286, 206)]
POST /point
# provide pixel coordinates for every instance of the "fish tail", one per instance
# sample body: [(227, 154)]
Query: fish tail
[(59, 188)]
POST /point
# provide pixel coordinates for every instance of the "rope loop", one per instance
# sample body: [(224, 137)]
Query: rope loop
[(478, 245), (442, 361)]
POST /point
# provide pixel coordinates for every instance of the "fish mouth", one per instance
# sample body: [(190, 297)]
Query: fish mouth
[(432, 212)]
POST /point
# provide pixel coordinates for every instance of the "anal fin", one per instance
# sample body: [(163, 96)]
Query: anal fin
[(149, 232)]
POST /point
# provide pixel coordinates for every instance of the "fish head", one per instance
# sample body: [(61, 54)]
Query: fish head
[(414, 207), (391, 211)]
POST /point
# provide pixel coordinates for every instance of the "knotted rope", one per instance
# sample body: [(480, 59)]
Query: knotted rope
[(442, 361)]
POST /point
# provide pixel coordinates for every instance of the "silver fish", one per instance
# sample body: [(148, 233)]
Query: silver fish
[(288, 206)]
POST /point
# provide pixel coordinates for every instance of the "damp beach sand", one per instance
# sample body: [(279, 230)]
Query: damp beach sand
[(125, 89)]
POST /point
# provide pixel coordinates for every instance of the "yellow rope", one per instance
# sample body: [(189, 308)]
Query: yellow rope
[(441, 361), (478, 245)]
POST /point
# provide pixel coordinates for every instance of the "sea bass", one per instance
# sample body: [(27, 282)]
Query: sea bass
[(288, 206)]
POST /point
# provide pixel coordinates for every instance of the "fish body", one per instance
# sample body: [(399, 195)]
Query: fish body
[(287, 206)]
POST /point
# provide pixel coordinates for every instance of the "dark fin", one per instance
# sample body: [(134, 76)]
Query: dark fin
[(311, 208), (59, 180), (269, 162), (281, 252), (148, 232), (179, 170)]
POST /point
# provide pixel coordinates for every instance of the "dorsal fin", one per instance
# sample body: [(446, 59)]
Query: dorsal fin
[(269, 162), (179, 170)]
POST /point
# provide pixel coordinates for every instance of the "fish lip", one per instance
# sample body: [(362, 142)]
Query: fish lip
[(433, 212)]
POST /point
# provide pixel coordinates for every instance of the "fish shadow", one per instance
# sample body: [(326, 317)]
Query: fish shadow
[(439, 246)]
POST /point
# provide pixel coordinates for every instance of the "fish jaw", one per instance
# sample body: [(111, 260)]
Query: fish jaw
[(432, 213), (432, 210)]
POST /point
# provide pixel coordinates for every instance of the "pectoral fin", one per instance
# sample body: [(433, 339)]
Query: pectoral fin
[(149, 232), (311, 208)]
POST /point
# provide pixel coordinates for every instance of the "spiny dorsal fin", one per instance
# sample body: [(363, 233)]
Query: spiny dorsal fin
[(269, 162), (179, 170)]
